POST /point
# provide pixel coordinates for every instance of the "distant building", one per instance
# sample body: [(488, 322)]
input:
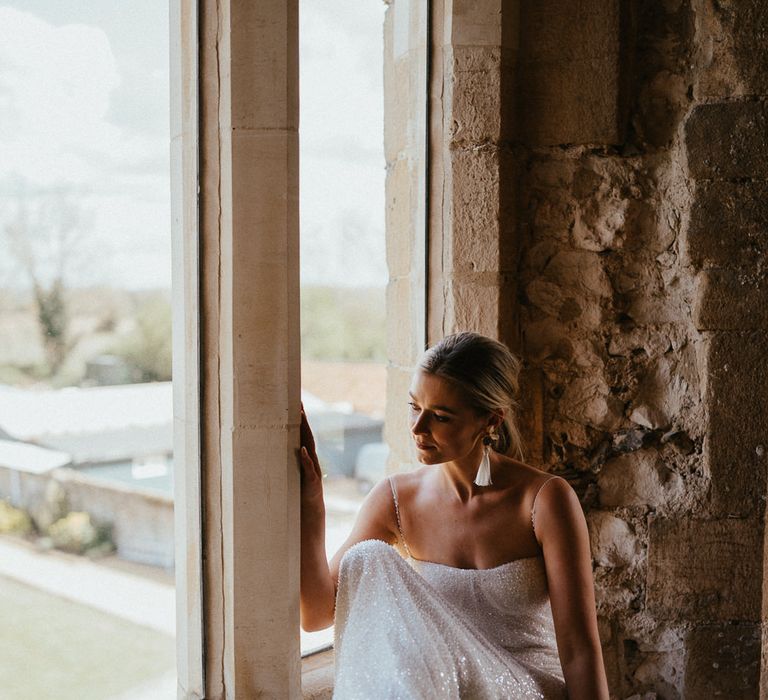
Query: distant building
[(111, 450)]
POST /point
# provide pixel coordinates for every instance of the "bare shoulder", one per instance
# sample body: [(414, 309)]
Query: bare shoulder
[(529, 479), (375, 521), (556, 510), (407, 483), (377, 508), (546, 497), (553, 488)]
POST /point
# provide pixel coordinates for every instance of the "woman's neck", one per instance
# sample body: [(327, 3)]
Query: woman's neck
[(459, 475)]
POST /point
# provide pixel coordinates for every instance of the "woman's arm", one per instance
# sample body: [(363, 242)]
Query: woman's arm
[(562, 533), (318, 578), (317, 596)]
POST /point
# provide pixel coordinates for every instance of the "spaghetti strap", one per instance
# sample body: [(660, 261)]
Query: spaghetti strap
[(536, 498), (397, 516)]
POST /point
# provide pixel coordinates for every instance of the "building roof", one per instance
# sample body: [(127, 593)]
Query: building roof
[(115, 445), (35, 415), (115, 423), (23, 457)]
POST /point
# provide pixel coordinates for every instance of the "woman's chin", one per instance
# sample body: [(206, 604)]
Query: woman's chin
[(427, 456)]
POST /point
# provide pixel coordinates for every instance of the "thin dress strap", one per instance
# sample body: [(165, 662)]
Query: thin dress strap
[(536, 498), (397, 516)]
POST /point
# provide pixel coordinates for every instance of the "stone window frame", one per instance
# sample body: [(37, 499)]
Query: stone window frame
[(234, 165)]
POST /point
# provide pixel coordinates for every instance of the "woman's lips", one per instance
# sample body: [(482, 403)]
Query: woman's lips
[(422, 446)]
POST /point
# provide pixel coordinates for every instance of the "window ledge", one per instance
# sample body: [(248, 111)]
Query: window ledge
[(317, 675)]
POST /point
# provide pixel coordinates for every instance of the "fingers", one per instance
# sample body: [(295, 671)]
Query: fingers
[(311, 464), (306, 462), (309, 461), (311, 473), (305, 432)]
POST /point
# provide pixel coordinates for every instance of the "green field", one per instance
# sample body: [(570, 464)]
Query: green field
[(53, 648)]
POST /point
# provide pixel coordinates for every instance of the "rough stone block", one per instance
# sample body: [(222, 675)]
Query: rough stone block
[(588, 400), (397, 101), (611, 540), (737, 432), (400, 237), (580, 273), (739, 62), (569, 72), (707, 570), (661, 671), (400, 336), (764, 661), (730, 301), (723, 661), (637, 479), (396, 423), (476, 110), (728, 140), (474, 303), (552, 30), (546, 338), (477, 22), (475, 211), (729, 225), (664, 389), (560, 104)]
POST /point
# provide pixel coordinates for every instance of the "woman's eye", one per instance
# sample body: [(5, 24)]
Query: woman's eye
[(441, 419), (413, 406)]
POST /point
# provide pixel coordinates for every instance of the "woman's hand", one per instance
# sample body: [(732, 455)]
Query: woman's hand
[(311, 474), (318, 591)]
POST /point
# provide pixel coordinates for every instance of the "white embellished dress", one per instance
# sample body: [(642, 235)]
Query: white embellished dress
[(409, 630)]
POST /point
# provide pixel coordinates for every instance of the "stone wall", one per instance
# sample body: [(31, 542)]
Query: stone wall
[(639, 296), (597, 181), (140, 521)]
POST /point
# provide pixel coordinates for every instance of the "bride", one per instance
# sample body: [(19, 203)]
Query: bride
[(469, 577)]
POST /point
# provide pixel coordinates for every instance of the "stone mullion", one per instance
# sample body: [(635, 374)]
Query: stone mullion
[(250, 346), (186, 349)]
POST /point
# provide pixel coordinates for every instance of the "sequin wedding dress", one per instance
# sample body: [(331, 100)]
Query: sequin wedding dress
[(413, 630)]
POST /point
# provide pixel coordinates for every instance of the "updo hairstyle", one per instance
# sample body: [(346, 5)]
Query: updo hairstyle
[(487, 374)]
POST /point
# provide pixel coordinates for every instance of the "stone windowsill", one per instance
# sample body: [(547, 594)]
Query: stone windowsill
[(317, 675)]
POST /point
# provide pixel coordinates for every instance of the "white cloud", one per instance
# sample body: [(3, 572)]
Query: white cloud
[(84, 108), (342, 158), (57, 90), (56, 83)]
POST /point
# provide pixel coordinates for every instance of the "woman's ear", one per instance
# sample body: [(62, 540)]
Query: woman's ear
[(495, 420)]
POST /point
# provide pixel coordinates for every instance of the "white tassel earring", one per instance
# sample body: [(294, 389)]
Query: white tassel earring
[(483, 477)]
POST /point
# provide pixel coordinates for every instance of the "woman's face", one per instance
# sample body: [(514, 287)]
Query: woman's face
[(443, 426)]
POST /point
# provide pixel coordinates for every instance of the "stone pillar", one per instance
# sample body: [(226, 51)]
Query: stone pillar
[(250, 381), (570, 80), (472, 251), (405, 124), (721, 560)]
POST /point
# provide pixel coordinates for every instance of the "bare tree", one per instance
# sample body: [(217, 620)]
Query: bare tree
[(45, 235)]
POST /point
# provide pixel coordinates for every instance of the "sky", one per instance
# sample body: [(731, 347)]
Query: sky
[(84, 117)]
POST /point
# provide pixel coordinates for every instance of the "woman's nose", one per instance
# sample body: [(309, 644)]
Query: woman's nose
[(419, 424)]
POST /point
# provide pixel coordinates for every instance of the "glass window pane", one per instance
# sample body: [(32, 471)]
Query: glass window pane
[(86, 463), (343, 265)]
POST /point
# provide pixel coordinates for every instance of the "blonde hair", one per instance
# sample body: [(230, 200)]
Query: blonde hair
[(487, 373)]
